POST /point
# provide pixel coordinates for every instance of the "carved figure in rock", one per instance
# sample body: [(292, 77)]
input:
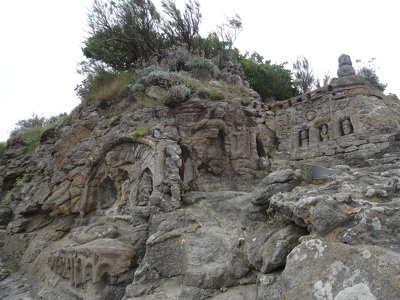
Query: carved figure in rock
[(310, 115), (324, 133), (173, 163), (304, 138), (145, 188), (346, 127), (345, 66)]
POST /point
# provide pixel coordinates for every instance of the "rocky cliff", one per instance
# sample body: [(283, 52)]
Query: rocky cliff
[(223, 197)]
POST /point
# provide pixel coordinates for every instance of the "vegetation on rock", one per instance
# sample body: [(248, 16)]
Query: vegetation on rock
[(29, 131), (127, 35), (368, 72), (371, 76), (271, 81)]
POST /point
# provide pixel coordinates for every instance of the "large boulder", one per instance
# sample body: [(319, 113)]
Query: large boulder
[(348, 272)]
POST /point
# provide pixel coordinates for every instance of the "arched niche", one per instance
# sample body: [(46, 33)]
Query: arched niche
[(116, 170)]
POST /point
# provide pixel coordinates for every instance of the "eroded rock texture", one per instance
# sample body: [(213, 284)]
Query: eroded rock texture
[(218, 201)]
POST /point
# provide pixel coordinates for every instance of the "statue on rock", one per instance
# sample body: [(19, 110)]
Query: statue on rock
[(304, 138), (346, 127), (324, 133), (345, 66)]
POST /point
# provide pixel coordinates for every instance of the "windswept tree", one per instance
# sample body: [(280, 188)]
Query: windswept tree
[(325, 80), (303, 74), (182, 27), (229, 31), (123, 32)]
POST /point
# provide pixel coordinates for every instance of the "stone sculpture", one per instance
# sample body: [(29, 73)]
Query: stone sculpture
[(173, 163), (145, 188), (345, 66), (304, 138), (324, 133), (346, 127)]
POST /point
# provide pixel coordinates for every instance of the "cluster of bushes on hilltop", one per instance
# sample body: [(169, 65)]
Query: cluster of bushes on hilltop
[(126, 34)]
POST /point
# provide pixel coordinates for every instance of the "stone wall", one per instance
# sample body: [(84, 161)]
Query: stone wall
[(346, 120)]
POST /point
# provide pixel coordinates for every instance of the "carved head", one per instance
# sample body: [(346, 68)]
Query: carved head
[(304, 134), (346, 125), (344, 59)]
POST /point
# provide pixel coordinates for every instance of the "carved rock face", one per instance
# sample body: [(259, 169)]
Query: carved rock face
[(344, 59)]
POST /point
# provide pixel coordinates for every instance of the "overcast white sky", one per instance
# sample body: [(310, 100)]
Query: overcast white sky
[(41, 44)]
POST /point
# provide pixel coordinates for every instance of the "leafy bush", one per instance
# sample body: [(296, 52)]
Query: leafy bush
[(270, 81), (156, 77), (31, 139), (368, 71), (143, 130), (215, 83), (197, 62), (177, 94), (136, 134), (369, 74), (136, 87)]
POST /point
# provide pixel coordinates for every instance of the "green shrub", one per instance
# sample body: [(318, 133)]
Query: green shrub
[(270, 81), (217, 96), (215, 83), (136, 134), (19, 179), (197, 62), (29, 131), (177, 94), (156, 77), (369, 74), (105, 85), (31, 139), (137, 87)]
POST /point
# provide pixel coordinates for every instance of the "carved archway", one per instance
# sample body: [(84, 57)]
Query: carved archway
[(117, 170)]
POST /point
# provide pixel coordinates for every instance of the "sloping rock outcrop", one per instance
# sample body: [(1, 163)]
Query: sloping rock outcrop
[(218, 200)]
